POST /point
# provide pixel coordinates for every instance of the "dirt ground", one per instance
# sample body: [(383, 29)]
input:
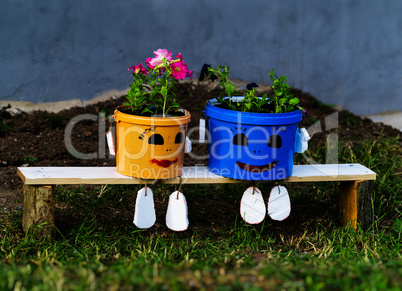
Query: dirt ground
[(37, 139)]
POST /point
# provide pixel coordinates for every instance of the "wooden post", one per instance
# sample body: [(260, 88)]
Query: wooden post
[(38, 209), (348, 203), (355, 203)]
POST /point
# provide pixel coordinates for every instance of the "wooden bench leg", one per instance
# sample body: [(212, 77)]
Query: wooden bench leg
[(38, 209), (355, 203)]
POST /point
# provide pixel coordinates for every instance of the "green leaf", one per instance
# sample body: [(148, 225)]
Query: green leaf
[(229, 88), (272, 74), (152, 94), (175, 104), (146, 109), (164, 91), (294, 101)]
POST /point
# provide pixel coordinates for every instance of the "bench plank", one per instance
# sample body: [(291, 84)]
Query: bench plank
[(191, 175)]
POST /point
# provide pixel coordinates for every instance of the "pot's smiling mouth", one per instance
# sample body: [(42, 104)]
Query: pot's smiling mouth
[(257, 169), (164, 163)]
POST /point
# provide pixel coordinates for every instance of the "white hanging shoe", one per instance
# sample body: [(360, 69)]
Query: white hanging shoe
[(144, 213), (252, 206), (177, 213), (279, 203)]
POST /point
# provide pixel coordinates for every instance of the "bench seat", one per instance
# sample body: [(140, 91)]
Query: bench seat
[(191, 175)]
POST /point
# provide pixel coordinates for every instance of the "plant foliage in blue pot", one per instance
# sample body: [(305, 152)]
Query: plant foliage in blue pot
[(251, 138)]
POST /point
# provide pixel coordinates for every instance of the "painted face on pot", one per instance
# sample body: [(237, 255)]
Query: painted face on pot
[(258, 149), (163, 145)]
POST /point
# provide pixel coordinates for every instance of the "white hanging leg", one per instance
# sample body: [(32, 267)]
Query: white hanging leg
[(279, 203), (252, 206), (144, 213), (177, 213)]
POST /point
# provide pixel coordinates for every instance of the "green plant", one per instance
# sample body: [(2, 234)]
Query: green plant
[(223, 74), (282, 101), (152, 88), (29, 160), (4, 127), (251, 103)]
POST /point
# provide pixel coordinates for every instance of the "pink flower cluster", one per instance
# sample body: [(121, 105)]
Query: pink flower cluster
[(179, 69), (157, 61), (178, 66), (139, 69)]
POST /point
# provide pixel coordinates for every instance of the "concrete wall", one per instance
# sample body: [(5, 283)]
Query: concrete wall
[(343, 52)]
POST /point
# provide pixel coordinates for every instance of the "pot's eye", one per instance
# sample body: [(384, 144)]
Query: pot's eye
[(240, 139), (155, 139), (179, 138), (275, 141)]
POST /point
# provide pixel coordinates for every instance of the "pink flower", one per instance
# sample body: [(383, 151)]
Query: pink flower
[(160, 54), (139, 69), (179, 56), (148, 61), (163, 54), (179, 70), (189, 73)]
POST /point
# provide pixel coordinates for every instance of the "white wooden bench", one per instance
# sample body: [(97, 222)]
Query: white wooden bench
[(356, 187)]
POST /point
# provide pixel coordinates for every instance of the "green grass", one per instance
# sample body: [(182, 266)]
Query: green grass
[(98, 247)]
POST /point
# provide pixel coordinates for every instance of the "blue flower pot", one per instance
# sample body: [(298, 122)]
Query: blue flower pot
[(251, 146)]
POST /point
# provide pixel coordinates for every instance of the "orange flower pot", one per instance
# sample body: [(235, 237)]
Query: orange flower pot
[(150, 147)]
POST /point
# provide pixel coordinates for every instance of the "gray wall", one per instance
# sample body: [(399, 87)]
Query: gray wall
[(342, 52)]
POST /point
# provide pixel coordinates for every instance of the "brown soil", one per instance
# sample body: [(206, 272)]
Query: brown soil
[(37, 139)]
